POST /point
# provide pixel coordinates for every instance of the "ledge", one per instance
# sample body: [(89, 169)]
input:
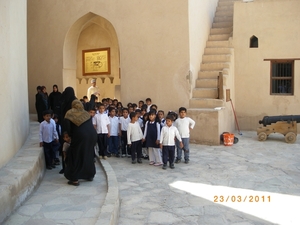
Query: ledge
[(109, 213), (22, 174)]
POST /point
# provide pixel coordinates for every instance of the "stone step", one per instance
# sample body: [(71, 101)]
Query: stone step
[(205, 93), (222, 24), (211, 74), (225, 3), (217, 44), (224, 8), (219, 31), (206, 83), (219, 37), (224, 13), (205, 103), (216, 51), (213, 66), (216, 58), (223, 19)]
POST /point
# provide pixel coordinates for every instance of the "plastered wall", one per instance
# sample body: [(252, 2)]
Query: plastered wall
[(13, 72), (156, 45), (276, 25)]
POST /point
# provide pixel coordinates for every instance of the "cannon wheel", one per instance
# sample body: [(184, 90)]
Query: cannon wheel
[(290, 137), (262, 136)]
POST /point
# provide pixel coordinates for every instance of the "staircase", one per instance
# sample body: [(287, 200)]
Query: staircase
[(206, 98), (216, 58)]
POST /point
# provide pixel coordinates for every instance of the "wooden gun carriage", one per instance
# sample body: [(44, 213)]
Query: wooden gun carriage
[(286, 125)]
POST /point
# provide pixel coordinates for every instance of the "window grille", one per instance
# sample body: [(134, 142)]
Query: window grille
[(282, 77)]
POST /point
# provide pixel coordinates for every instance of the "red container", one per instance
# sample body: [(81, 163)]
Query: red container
[(228, 139)]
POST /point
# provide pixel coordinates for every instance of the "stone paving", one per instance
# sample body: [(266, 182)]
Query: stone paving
[(248, 183), (258, 182), (56, 202)]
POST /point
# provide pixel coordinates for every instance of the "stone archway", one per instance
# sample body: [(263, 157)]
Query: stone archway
[(100, 33)]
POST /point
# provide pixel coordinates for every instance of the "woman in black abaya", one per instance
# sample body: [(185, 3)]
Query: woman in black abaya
[(80, 155), (67, 97), (91, 104), (54, 101)]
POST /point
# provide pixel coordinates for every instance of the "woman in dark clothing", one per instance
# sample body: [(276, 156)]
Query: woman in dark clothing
[(80, 155), (67, 97), (54, 101), (39, 104), (45, 97), (91, 104)]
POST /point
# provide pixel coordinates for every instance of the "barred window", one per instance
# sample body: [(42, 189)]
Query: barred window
[(282, 77)]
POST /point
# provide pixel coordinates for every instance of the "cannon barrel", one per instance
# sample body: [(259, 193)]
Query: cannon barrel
[(267, 120)]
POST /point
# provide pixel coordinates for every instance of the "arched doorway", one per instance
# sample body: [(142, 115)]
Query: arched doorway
[(91, 31)]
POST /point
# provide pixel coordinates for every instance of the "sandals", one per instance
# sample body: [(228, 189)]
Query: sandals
[(74, 183)]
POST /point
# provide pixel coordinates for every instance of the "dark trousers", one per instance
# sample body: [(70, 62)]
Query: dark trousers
[(113, 144), (55, 148), (168, 153), (102, 143), (125, 148), (48, 152), (136, 147)]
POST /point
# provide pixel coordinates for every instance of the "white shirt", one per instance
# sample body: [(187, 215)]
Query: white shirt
[(101, 121), (141, 122), (93, 91), (65, 146), (183, 125), (134, 132), (148, 107), (157, 128), (163, 122), (114, 126), (168, 135), (47, 132), (124, 123)]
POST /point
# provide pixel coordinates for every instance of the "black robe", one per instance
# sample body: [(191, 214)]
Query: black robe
[(80, 155), (55, 102), (40, 106)]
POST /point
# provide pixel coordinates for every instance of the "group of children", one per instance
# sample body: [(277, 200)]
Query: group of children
[(133, 131), (141, 132)]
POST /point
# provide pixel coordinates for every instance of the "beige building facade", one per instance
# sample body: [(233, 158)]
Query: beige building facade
[(170, 51), (154, 47), (275, 23)]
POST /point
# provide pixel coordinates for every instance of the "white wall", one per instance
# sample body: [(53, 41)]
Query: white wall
[(201, 15), (14, 117)]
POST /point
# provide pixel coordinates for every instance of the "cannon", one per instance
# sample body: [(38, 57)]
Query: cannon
[(286, 125)]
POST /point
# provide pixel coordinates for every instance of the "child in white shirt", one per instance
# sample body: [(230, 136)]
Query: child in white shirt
[(167, 142), (113, 140), (134, 138), (123, 126), (151, 138), (184, 124), (101, 123)]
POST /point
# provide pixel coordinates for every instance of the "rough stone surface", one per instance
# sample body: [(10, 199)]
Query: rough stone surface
[(264, 175), (185, 195)]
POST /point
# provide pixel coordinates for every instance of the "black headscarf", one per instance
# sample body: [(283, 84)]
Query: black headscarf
[(91, 104), (68, 96)]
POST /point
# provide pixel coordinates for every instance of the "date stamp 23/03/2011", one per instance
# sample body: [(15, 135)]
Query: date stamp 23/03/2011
[(240, 198)]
